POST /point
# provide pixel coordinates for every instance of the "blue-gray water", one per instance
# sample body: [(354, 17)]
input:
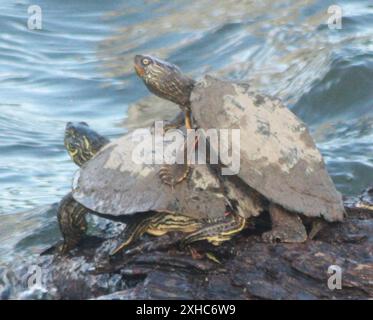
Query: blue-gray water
[(79, 67)]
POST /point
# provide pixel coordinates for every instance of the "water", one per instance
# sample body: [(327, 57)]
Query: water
[(79, 68)]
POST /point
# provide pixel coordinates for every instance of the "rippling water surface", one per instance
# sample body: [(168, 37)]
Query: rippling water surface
[(79, 67)]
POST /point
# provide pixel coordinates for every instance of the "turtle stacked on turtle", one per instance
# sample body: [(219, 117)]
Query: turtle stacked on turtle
[(279, 159), (281, 170)]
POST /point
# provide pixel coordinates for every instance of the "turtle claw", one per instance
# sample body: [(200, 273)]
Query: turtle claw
[(166, 176), (168, 173)]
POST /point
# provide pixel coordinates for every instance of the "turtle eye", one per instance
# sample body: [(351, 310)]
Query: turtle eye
[(145, 61)]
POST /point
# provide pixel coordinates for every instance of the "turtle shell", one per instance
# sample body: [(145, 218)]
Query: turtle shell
[(113, 184), (278, 157)]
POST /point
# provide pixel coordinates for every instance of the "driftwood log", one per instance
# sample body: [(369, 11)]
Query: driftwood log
[(243, 268), (250, 269)]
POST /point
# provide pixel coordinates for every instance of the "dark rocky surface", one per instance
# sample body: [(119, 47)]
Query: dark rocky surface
[(244, 268), (251, 269)]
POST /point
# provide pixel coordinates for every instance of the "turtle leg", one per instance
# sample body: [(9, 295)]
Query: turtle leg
[(135, 229), (168, 222), (72, 223), (286, 226), (216, 232), (177, 173), (188, 119), (156, 224)]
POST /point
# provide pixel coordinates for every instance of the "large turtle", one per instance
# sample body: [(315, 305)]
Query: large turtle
[(113, 185), (278, 157)]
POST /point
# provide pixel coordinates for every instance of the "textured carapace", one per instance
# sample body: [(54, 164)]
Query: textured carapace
[(278, 157)]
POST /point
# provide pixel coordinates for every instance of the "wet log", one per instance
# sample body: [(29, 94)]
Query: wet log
[(251, 269), (243, 268)]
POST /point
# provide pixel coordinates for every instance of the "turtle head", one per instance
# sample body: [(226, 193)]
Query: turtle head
[(81, 142), (164, 79)]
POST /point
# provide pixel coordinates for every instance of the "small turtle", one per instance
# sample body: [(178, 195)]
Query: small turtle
[(114, 186), (82, 143), (278, 157)]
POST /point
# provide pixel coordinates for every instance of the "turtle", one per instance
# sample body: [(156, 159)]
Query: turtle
[(81, 143), (112, 185), (279, 161)]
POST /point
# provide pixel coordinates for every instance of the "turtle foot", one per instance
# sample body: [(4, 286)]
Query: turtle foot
[(172, 175), (286, 227), (166, 176)]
